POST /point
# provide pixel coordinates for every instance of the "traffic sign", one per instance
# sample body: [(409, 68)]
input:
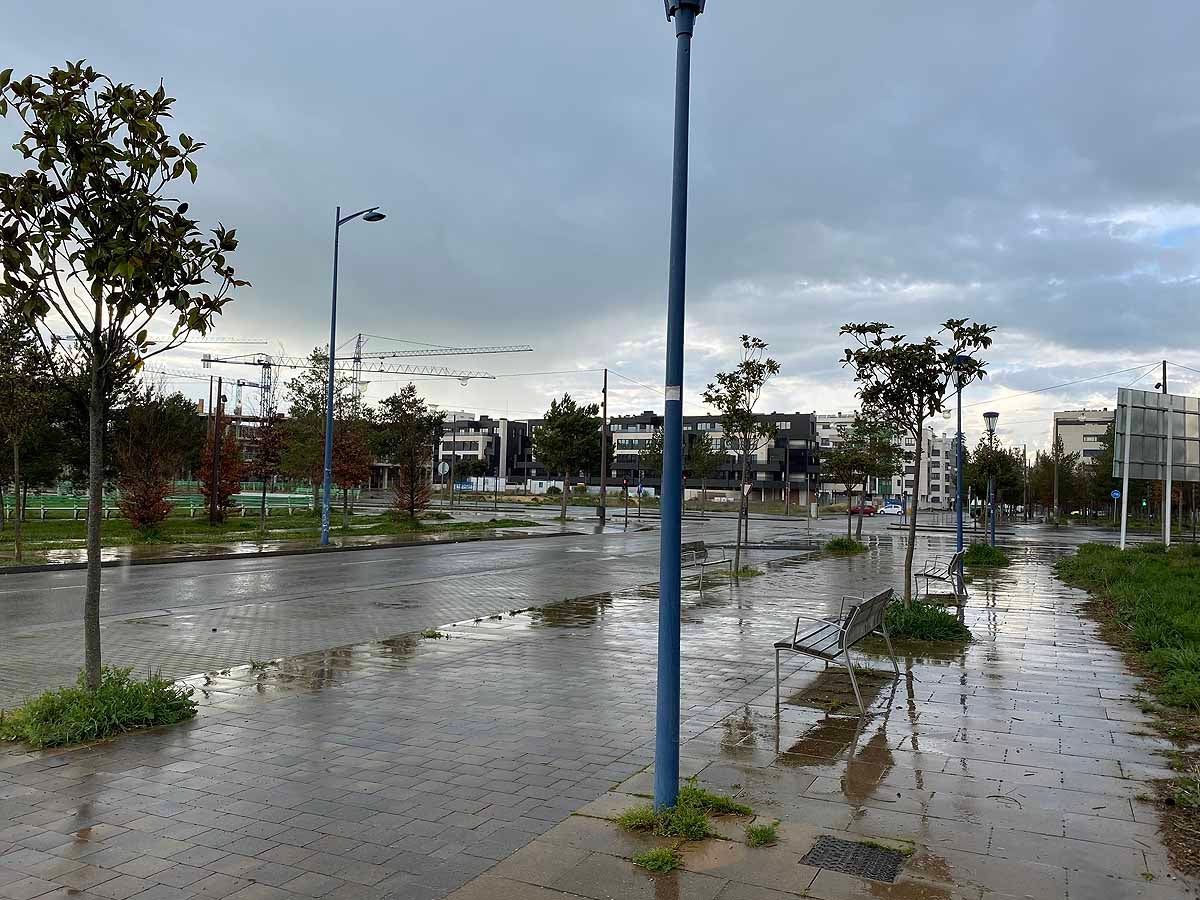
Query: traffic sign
[(443, 467), (1116, 495)]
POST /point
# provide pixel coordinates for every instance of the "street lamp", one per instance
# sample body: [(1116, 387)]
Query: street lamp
[(371, 214), (666, 730), (989, 420)]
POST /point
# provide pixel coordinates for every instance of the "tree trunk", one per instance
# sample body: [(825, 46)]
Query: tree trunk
[(18, 500), (3, 514), (849, 514), (95, 514), (703, 496), (345, 508), (262, 507), (862, 504), (912, 522), (563, 512)]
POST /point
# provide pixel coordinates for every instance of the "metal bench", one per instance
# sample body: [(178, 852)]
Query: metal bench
[(949, 574), (832, 639), (698, 555)]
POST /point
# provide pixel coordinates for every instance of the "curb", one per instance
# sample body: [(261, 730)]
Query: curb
[(262, 554)]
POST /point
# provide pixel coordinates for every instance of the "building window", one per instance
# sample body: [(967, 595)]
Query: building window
[(783, 426)]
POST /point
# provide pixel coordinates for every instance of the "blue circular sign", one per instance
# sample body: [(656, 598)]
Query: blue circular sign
[(1116, 495)]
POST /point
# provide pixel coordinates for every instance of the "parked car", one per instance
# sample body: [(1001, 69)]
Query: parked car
[(867, 510), (891, 509)]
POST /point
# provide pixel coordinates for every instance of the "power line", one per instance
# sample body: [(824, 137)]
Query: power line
[(638, 383), (1053, 387)]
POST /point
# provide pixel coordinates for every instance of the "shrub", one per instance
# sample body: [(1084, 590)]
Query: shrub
[(76, 715), (843, 546), (924, 622), (986, 555), (553, 491), (660, 859)]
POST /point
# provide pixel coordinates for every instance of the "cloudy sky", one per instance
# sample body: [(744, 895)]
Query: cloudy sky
[(1028, 164)]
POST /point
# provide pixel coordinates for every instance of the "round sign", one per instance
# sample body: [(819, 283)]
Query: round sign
[(443, 467), (1116, 495)]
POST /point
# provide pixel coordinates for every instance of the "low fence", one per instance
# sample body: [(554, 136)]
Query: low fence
[(188, 507)]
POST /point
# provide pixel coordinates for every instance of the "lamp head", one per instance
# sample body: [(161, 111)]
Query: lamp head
[(674, 5), (374, 216), (989, 419)]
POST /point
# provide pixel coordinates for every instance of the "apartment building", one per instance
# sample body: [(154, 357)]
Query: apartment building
[(1082, 431)]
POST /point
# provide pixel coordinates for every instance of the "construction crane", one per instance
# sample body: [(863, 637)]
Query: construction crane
[(361, 339), (303, 362)]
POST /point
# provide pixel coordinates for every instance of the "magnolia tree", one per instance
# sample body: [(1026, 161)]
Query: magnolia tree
[(94, 245), (734, 395), (905, 384)]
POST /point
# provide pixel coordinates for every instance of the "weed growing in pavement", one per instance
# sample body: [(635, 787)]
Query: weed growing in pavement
[(660, 859), (924, 622), (76, 715), (433, 634), (762, 835), (688, 818)]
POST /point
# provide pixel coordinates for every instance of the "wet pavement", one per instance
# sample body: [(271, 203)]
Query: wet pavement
[(410, 767)]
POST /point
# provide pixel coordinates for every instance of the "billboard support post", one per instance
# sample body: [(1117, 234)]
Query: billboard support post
[(1125, 466)]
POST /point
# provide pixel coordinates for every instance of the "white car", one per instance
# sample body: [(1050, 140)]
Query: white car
[(892, 509)]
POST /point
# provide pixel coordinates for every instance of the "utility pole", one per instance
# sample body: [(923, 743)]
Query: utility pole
[(214, 484), (1025, 482), (604, 454), (1054, 452), (787, 476), (1167, 463)]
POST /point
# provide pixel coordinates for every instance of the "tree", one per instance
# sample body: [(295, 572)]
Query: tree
[(269, 440), (406, 433), (351, 461), (566, 442), (92, 242), (702, 460), (734, 395), (304, 447), (467, 468), (227, 481), (24, 401), (154, 435), (906, 384), (846, 463), (882, 455), (650, 457)]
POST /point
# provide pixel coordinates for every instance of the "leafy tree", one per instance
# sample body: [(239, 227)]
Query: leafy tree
[(566, 441), (406, 433), (846, 463), (467, 468), (92, 241), (24, 400), (905, 383), (734, 395), (351, 461), (227, 480), (882, 455), (701, 460), (303, 457), (650, 457), (269, 442), (154, 434)]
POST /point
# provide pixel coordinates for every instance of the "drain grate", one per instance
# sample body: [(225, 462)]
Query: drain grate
[(852, 858)]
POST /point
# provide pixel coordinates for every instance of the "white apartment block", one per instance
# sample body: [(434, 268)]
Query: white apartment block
[(1082, 431)]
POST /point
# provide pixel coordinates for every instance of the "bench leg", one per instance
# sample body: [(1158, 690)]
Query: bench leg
[(854, 681), (887, 639), (776, 681)]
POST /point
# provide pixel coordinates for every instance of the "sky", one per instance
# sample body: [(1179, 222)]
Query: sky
[(1031, 165)]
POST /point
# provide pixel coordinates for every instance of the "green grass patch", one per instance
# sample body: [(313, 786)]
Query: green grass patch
[(762, 835), (924, 622), (843, 546), (688, 818), (660, 859), (1152, 596), (986, 555), (747, 572), (76, 715), (433, 634)]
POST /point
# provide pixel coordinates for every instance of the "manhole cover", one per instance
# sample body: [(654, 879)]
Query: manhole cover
[(863, 860)]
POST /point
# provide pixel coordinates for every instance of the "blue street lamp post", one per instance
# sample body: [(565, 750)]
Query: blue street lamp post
[(666, 744), (989, 420), (368, 215)]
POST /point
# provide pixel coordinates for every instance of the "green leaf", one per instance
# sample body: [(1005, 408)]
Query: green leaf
[(191, 167), (5, 77)]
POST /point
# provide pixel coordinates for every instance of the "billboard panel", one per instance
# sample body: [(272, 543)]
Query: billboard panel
[(1153, 413)]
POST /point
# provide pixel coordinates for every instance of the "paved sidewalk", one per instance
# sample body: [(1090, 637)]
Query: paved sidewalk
[(410, 768)]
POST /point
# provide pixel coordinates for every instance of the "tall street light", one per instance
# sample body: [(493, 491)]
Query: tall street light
[(989, 420), (958, 460), (666, 729), (371, 214)]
